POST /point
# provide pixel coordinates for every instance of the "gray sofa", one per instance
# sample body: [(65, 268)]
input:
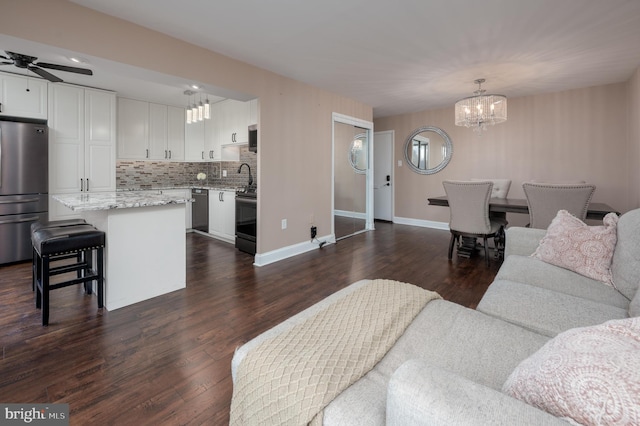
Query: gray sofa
[(451, 362)]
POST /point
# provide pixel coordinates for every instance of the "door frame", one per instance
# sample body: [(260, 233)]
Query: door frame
[(368, 126)]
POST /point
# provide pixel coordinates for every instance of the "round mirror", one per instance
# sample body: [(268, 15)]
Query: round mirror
[(428, 150), (358, 153)]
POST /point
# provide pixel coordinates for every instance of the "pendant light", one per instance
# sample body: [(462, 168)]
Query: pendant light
[(200, 110), (207, 109)]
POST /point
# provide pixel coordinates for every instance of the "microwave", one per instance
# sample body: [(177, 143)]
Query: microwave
[(253, 138)]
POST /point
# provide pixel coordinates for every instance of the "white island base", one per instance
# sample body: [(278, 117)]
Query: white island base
[(145, 252)]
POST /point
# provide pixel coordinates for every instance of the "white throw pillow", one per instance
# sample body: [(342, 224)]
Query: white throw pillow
[(588, 376)]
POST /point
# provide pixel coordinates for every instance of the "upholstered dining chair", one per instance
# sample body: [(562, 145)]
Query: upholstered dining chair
[(469, 213), (546, 199)]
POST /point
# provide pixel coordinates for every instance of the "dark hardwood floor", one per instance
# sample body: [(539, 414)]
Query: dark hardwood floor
[(166, 361)]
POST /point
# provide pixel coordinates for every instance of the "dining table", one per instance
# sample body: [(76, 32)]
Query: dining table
[(595, 210)]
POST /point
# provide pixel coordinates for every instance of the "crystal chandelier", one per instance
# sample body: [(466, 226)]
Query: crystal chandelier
[(481, 110)]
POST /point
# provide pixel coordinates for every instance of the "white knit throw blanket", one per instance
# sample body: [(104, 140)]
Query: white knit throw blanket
[(289, 379)]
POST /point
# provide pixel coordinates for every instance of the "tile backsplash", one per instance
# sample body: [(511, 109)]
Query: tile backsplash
[(131, 174)]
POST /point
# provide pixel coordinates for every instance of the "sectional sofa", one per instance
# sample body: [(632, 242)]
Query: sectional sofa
[(539, 331)]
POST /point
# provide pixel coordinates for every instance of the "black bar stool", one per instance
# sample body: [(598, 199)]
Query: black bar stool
[(51, 224), (79, 241)]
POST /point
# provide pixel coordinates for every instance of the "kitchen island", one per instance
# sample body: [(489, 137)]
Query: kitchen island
[(145, 253)]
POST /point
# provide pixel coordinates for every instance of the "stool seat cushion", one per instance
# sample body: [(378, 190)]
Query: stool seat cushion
[(56, 223), (49, 241)]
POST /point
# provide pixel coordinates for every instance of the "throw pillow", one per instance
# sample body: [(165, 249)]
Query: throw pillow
[(588, 375), (587, 250)]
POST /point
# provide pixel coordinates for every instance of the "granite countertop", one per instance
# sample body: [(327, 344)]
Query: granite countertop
[(166, 188), (118, 200)]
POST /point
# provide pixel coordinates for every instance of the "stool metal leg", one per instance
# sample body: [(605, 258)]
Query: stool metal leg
[(45, 290), (100, 280)]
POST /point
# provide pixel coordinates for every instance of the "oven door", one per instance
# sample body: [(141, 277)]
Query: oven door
[(246, 223)]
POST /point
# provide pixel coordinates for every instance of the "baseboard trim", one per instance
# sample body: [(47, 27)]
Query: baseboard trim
[(262, 259), (422, 223)]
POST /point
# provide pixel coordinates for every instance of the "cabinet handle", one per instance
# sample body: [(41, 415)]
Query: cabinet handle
[(169, 154), (87, 184), (0, 106), (203, 155), (165, 154), (81, 184)]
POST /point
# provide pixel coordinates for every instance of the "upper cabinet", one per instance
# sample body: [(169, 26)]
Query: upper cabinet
[(82, 143), (235, 122), (148, 131), (23, 96), (133, 129)]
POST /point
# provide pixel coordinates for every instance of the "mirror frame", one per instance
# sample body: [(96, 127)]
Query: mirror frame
[(447, 143), (350, 154)]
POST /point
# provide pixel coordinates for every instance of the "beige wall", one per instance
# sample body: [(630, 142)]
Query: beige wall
[(573, 135), (634, 139), (294, 118)]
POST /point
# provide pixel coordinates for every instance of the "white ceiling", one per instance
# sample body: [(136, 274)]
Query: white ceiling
[(404, 55)]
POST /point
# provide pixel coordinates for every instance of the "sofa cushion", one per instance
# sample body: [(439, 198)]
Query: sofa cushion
[(587, 250), (543, 311), (529, 270), (469, 343), (625, 265), (422, 394), (589, 375)]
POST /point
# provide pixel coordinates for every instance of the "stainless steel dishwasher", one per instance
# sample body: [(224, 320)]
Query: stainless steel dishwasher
[(200, 210)]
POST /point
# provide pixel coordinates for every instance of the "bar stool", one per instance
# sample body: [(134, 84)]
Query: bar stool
[(51, 224), (79, 241)]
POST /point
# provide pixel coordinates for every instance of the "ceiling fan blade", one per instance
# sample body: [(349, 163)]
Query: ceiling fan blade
[(6, 63), (4, 57), (66, 68), (44, 74)]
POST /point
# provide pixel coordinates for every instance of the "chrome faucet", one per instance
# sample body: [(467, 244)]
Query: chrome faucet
[(248, 167)]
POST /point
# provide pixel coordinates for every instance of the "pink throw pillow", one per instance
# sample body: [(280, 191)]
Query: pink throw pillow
[(589, 375), (587, 250)]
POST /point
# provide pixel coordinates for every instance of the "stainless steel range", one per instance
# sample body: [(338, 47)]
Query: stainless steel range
[(246, 219), (24, 184)]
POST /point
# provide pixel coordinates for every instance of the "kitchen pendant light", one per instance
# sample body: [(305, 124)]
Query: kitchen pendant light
[(207, 109), (200, 110)]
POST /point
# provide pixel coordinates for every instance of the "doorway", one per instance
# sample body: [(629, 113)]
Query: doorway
[(383, 189), (352, 176)]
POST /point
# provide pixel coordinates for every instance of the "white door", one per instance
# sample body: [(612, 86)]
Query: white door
[(383, 176)]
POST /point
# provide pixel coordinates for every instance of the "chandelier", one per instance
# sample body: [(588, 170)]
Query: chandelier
[(197, 112), (481, 110)]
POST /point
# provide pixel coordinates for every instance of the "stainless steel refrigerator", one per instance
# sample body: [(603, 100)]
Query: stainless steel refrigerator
[(24, 184)]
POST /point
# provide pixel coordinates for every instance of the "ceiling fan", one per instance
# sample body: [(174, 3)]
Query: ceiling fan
[(26, 62)]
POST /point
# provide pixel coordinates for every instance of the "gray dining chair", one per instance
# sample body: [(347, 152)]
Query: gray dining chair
[(546, 199), (469, 213)]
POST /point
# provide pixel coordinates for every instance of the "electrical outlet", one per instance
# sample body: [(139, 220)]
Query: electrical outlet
[(224, 173), (284, 223), (314, 232)]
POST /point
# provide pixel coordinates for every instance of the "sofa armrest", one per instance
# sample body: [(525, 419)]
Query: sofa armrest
[(423, 394), (522, 241)]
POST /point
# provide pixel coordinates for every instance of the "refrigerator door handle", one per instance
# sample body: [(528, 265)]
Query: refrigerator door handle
[(26, 219), (27, 200)]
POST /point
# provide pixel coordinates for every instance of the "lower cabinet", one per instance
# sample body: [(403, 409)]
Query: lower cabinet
[(222, 215)]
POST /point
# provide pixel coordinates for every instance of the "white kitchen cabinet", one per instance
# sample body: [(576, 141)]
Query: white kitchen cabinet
[(194, 141), (222, 215), (253, 111), (82, 143), (175, 133), (166, 132), (212, 137), (133, 129), (23, 96), (235, 122)]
